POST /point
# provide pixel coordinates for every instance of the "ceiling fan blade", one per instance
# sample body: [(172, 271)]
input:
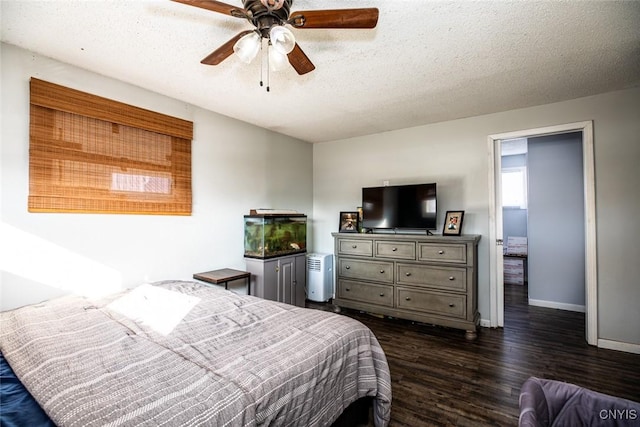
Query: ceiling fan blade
[(224, 51), (299, 60), (216, 6), (335, 18)]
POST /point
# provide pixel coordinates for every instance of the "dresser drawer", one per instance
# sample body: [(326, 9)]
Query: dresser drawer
[(432, 302), (396, 250), (443, 252), (449, 278), (366, 292), (378, 271), (355, 247)]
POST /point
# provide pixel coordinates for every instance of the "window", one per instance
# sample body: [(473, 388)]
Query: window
[(94, 155), (514, 187)]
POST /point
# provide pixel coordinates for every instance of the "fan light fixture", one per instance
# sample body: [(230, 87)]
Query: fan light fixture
[(281, 43), (247, 47), (282, 39), (277, 60)]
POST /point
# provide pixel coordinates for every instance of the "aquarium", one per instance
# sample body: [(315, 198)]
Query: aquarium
[(268, 236)]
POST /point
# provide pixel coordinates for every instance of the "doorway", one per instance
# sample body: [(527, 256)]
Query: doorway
[(496, 286), (515, 218)]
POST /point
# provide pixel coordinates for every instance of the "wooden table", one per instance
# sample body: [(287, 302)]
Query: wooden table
[(225, 275)]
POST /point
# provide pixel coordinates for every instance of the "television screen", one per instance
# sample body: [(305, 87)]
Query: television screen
[(400, 206)]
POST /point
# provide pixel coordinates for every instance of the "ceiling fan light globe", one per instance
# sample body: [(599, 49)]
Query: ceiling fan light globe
[(247, 47), (277, 60), (282, 39)]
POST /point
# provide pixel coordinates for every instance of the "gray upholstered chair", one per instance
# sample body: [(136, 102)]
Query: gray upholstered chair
[(547, 403)]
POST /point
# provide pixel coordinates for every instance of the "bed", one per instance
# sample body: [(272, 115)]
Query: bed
[(180, 353)]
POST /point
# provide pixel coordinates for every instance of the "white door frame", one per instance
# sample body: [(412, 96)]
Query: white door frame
[(496, 280)]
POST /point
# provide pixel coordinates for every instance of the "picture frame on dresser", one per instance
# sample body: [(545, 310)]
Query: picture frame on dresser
[(453, 223), (349, 222)]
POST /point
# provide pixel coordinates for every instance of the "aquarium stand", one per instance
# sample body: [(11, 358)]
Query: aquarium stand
[(280, 279)]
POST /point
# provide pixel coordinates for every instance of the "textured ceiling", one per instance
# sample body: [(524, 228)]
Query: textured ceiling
[(427, 61)]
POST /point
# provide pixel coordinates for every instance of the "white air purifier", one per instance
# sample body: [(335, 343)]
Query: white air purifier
[(319, 277)]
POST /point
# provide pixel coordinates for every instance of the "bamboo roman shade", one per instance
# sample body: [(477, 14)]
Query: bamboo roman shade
[(95, 155)]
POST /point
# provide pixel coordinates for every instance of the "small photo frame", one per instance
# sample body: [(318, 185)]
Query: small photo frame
[(453, 223), (349, 222)]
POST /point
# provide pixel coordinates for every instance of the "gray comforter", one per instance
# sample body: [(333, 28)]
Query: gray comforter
[(230, 361)]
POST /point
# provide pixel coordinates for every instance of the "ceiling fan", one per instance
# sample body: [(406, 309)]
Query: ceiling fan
[(269, 18)]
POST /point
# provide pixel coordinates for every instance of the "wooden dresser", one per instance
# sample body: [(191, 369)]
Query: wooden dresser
[(428, 279)]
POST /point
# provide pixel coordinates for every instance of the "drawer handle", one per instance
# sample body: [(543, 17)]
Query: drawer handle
[(408, 298), (347, 267), (382, 294), (452, 278), (354, 246), (381, 271), (347, 289), (452, 305), (394, 249), (407, 274), (441, 252)]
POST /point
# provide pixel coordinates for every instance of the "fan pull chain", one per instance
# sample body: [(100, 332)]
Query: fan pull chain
[(261, 62), (268, 73), (262, 54)]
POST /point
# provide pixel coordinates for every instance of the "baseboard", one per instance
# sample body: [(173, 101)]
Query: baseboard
[(485, 323), (619, 345), (557, 305)]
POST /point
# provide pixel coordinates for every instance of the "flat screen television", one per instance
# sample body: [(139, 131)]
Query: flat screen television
[(409, 207)]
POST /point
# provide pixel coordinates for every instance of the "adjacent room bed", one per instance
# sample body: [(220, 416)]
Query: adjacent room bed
[(183, 353)]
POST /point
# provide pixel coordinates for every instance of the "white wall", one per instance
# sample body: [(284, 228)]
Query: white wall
[(556, 222), (235, 167), (455, 155)]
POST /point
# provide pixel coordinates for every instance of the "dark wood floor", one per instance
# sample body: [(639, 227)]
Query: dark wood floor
[(441, 379)]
